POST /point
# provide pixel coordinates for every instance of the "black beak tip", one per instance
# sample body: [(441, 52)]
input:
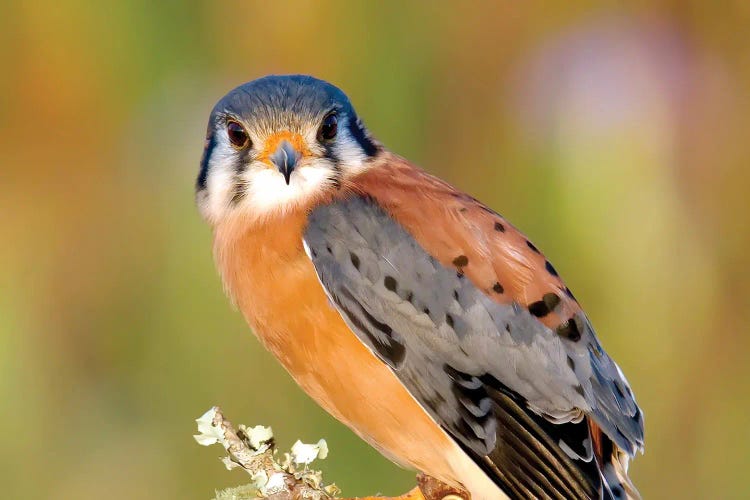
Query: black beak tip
[(285, 158)]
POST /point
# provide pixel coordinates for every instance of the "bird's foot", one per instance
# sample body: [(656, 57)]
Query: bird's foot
[(432, 489), (428, 488)]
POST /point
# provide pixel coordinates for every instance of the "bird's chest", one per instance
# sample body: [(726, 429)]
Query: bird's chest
[(289, 312), (278, 292), (275, 286)]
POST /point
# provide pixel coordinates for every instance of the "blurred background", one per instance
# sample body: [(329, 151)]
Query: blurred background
[(615, 136)]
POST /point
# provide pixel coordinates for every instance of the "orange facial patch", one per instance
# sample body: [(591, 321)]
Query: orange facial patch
[(273, 141)]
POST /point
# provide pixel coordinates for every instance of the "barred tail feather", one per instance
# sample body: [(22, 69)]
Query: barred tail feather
[(613, 464)]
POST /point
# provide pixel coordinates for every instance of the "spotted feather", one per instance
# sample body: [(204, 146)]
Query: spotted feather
[(471, 318)]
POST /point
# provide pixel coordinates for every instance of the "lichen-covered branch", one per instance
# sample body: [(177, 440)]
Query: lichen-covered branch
[(253, 450), (289, 477)]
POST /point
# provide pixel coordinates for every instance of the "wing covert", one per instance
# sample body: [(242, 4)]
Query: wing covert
[(511, 391)]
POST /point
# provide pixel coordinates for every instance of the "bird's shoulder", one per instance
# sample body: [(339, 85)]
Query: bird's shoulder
[(451, 296), (462, 232)]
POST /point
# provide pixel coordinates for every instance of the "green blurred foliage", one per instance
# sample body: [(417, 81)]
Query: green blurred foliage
[(615, 136)]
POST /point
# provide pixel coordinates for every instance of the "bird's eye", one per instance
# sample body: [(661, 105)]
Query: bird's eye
[(328, 128), (237, 135)]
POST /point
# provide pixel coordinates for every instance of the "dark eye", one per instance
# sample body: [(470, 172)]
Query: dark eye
[(237, 135), (328, 128)]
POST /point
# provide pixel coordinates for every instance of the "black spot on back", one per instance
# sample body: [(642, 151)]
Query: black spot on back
[(539, 309), (390, 283), (461, 261), (569, 330), (551, 300), (499, 227), (497, 287), (531, 245), (355, 260)]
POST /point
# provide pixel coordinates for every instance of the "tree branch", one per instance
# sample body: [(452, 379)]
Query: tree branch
[(290, 478)]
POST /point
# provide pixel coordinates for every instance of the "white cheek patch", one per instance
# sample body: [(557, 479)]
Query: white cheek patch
[(220, 182), (349, 152)]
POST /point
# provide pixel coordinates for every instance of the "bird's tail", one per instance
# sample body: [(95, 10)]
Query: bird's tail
[(613, 464)]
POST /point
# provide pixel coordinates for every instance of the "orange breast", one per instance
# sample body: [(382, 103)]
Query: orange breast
[(274, 284)]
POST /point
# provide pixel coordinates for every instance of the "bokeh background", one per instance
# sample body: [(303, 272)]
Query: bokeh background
[(616, 136)]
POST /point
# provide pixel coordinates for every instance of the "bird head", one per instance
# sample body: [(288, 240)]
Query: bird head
[(276, 143)]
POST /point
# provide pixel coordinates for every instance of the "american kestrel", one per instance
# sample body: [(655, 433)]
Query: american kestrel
[(410, 311)]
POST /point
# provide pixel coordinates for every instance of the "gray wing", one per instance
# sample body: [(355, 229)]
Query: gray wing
[(515, 395)]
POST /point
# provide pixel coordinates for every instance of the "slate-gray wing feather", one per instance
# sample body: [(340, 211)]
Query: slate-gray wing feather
[(500, 382)]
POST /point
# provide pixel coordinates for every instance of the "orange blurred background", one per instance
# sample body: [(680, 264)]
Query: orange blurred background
[(615, 136)]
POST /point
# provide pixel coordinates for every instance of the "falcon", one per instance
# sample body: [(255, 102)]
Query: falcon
[(407, 309)]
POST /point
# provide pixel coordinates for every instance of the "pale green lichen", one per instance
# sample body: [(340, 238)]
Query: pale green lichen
[(209, 433), (244, 492), (258, 436), (303, 454), (253, 449)]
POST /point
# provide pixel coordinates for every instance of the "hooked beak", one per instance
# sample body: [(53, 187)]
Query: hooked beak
[(285, 158)]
